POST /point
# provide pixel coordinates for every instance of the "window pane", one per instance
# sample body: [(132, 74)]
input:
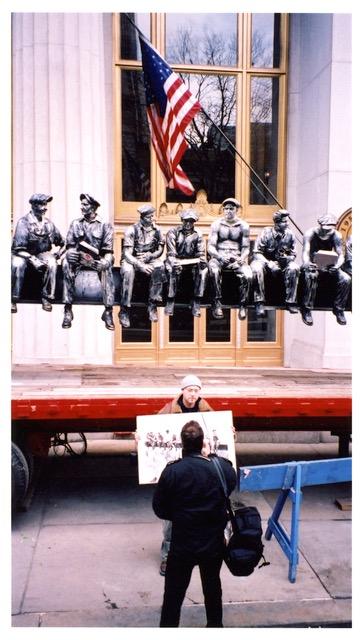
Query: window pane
[(140, 330), (181, 326), (265, 40), (264, 125), (209, 163), (135, 148), (201, 38), (262, 329), (130, 47), (218, 329)]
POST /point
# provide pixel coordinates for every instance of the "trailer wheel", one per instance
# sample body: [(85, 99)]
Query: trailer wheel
[(19, 475)]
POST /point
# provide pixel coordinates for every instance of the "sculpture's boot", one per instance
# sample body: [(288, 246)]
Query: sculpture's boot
[(340, 316), (307, 317), (169, 307), (46, 304), (195, 308), (124, 317), (68, 316), (107, 317), (153, 316), (242, 312), (259, 310), (217, 310)]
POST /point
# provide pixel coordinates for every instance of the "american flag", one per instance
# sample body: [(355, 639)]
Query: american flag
[(170, 108)]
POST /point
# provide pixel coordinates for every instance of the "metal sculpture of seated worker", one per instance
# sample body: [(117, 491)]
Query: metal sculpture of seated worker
[(89, 244), (186, 246), (274, 252), (347, 266), (228, 248), (32, 246), (323, 251), (142, 248)]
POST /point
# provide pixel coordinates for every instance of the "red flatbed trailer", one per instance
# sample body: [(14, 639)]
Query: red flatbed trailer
[(48, 398)]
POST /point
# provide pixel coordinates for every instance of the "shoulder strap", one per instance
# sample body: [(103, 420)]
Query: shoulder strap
[(220, 473)]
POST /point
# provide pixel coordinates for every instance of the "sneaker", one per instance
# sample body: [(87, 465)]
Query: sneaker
[(162, 569), (13, 307), (242, 313)]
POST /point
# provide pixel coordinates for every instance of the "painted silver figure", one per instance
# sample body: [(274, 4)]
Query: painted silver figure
[(89, 244), (274, 251), (142, 248), (34, 237), (186, 243), (228, 248), (324, 238), (347, 266)]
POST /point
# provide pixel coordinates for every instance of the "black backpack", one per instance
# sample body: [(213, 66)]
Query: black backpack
[(245, 548)]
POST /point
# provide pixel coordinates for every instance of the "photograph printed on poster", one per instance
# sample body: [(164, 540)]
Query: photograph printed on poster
[(159, 440)]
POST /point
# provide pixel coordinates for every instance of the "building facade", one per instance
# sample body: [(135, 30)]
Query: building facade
[(278, 86)]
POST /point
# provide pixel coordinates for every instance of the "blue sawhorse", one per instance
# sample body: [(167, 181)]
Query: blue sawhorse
[(290, 477)]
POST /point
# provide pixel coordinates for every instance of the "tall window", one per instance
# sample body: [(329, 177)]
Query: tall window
[(235, 64)]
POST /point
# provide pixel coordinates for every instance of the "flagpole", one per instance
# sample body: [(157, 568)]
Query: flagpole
[(249, 166), (137, 29), (142, 35)]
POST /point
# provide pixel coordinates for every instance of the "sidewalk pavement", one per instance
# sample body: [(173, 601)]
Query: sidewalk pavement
[(86, 552)]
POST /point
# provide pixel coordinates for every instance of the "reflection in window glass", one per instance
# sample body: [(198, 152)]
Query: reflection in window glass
[(140, 329), (201, 38), (265, 40), (264, 125), (261, 329), (218, 329), (130, 47), (181, 325), (135, 147), (209, 163)]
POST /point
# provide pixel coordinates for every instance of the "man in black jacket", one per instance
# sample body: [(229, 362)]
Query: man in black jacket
[(189, 494)]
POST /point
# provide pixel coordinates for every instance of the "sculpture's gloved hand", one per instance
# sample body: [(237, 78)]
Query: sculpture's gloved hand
[(72, 256), (100, 265)]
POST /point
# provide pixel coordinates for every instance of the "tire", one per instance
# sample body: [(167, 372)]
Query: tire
[(30, 461), (20, 476)]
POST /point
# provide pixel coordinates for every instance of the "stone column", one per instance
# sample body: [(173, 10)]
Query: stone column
[(60, 146), (319, 163)]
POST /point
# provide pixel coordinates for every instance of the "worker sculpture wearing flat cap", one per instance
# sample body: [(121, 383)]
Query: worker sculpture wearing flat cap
[(183, 244), (275, 252), (89, 245), (143, 245), (228, 248), (323, 251), (32, 247)]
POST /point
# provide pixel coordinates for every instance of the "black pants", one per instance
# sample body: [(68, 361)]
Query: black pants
[(177, 578)]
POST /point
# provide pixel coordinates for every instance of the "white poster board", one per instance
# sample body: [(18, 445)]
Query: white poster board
[(159, 439)]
